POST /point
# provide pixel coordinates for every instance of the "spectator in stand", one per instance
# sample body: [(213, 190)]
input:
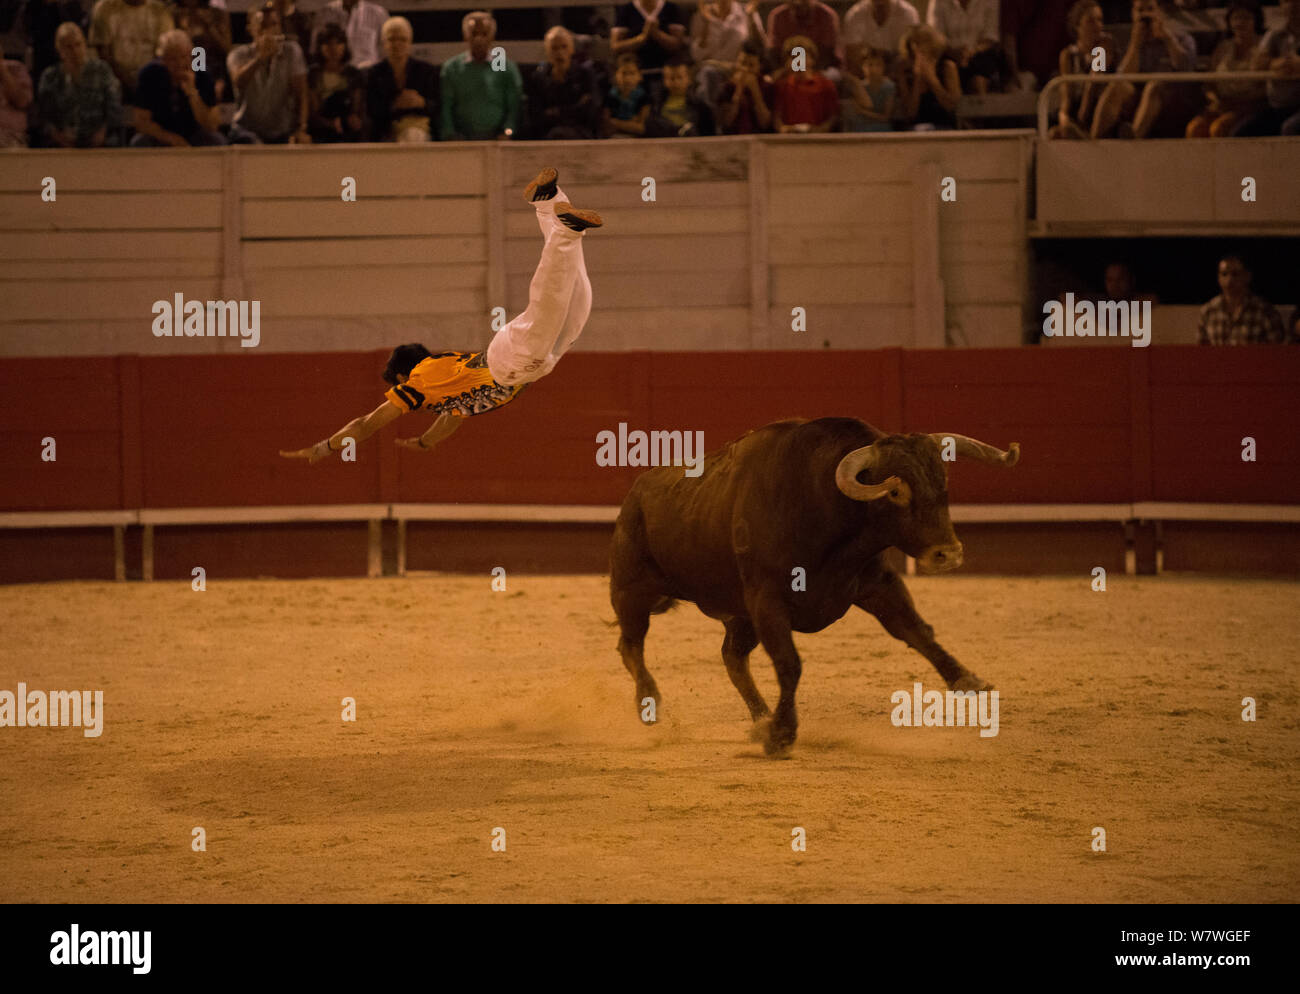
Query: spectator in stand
[(928, 81), (336, 90), (875, 25), (805, 101), (1280, 52), (479, 101), (209, 27), (1237, 316), (745, 101), (401, 91), (126, 33), (873, 96), (1121, 284), (561, 93), (1033, 31), (1229, 104), (364, 23), (1155, 108), (42, 18), (15, 98), (270, 85), (174, 104), (971, 27), (79, 100), (296, 23), (808, 19), (652, 31), (718, 30), (627, 105), (1293, 328), (1086, 26), (678, 114)]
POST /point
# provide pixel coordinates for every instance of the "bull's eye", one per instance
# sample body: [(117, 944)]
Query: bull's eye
[(894, 492)]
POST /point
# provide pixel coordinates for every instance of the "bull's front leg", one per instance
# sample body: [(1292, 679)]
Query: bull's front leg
[(888, 599), (771, 620)]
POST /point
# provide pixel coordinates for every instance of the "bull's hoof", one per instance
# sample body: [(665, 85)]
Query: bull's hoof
[(776, 740), (969, 681), (648, 708)]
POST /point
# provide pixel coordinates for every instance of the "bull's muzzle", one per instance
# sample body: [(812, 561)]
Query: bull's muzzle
[(940, 558)]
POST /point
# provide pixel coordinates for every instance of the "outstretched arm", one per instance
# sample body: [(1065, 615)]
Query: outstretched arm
[(440, 429), (358, 429)]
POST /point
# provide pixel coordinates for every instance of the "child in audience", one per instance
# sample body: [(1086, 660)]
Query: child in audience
[(805, 100), (745, 100), (679, 114), (627, 106), (873, 95)]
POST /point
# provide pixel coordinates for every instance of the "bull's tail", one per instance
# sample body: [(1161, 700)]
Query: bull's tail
[(663, 604)]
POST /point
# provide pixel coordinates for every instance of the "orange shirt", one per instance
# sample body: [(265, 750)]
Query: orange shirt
[(443, 384)]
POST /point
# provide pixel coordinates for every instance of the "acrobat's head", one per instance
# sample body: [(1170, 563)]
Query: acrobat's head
[(404, 359)]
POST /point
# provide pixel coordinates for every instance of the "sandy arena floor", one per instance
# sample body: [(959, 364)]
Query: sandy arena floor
[(479, 709)]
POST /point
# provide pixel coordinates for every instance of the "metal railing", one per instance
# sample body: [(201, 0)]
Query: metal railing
[(1044, 104)]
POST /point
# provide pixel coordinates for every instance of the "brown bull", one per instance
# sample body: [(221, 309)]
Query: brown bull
[(828, 496)]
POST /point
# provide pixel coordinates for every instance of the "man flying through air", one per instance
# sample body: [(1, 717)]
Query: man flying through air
[(459, 385)]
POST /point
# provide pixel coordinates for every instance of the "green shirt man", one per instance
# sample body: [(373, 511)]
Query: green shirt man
[(480, 94)]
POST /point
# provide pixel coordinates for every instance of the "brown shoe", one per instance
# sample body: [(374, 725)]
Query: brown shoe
[(576, 219), (544, 187)]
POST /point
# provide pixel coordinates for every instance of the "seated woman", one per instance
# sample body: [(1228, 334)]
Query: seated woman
[(336, 90), (1228, 104), (928, 83), (1087, 26)]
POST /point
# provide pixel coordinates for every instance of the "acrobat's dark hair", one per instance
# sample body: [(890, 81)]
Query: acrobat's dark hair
[(404, 359)]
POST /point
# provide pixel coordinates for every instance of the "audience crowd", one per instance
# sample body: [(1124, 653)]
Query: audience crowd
[(145, 72)]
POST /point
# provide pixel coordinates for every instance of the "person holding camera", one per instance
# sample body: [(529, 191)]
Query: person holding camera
[(1139, 110), (269, 77)]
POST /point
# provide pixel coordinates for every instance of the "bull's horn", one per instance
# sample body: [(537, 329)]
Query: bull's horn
[(846, 478), (975, 449)]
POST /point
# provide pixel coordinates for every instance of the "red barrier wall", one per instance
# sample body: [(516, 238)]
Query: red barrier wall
[(1097, 425)]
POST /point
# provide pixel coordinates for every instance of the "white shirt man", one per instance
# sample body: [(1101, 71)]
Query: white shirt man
[(965, 27), (363, 22), (862, 32)]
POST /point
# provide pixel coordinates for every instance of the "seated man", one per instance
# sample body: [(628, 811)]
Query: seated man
[(478, 101), (1237, 316), (126, 33), (745, 101), (269, 77), (79, 100), (459, 385), (174, 104)]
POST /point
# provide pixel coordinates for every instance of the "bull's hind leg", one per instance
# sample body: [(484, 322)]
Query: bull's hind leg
[(888, 599), (633, 609), (736, 647)]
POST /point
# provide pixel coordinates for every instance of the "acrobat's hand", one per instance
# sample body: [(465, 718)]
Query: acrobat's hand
[(413, 443), (313, 453)]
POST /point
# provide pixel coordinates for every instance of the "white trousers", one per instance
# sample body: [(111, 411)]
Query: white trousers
[(559, 300)]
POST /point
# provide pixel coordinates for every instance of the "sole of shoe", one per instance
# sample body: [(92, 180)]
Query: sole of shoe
[(576, 218), (546, 184)]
